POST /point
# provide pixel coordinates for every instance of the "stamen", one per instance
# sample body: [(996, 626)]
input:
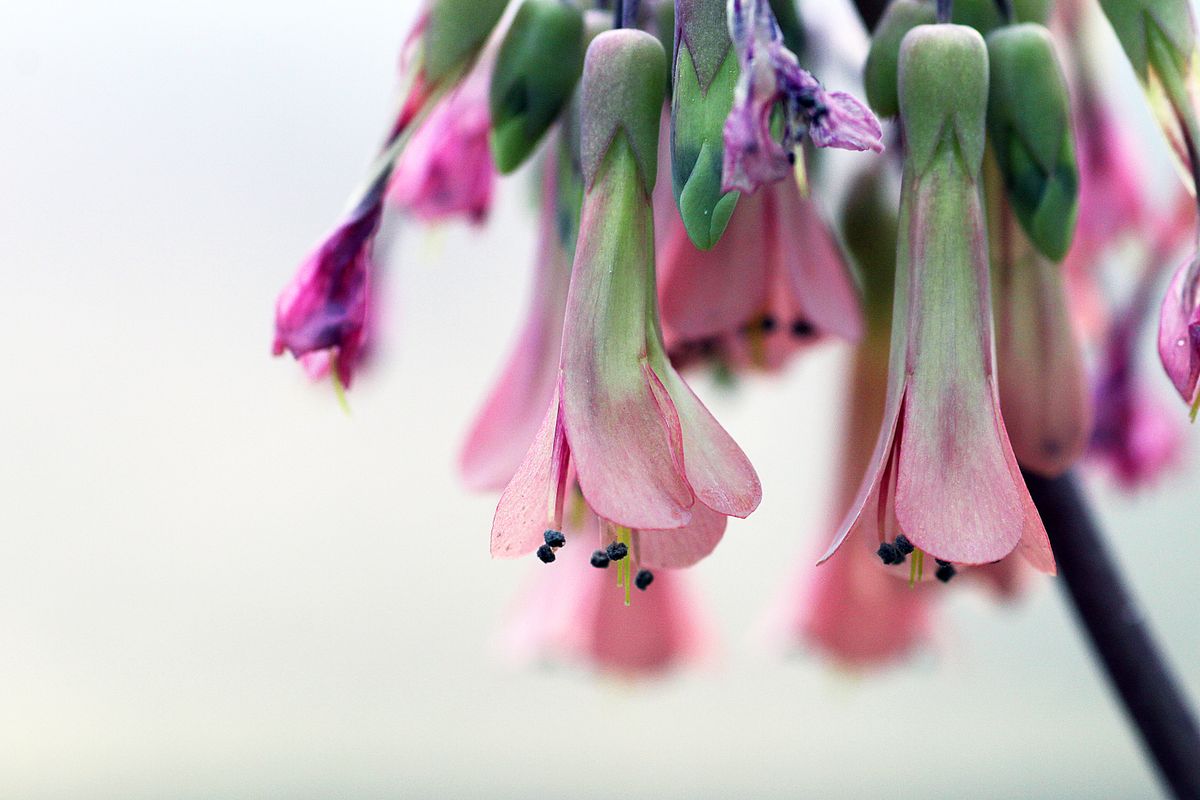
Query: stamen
[(802, 329), (546, 553), (945, 572), (339, 389), (888, 553), (600, 559), (904, 545), (916, 572), (618, 549), (644, 578), (555, 538), (767, 323)]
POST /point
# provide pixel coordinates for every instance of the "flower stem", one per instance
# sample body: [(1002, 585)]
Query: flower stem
[(870, 11), (944, 10), (1120, 636)]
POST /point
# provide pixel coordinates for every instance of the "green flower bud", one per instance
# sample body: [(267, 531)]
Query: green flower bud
[(455, 32), (984, 15), (706, 71), (537, 68), (622, 93), (879, 75), (1029, 120), (943, 93)]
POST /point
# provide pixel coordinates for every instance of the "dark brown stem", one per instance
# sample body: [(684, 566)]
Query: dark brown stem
[(1120, 636)]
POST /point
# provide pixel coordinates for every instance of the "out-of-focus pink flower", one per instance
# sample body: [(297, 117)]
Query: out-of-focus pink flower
[(1136, 438), (852, 610), (771, 78), (774, 283), (571, 614), (512, 413), (324, 308), (446, 169)]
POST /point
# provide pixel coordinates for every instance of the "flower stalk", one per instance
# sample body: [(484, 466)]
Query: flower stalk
[(1120, 636)]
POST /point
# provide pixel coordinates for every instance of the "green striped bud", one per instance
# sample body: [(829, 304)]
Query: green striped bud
[(537, 68), (1029, 120), (943, 80), (622, 92)]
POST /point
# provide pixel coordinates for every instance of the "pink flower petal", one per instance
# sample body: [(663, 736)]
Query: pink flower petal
[(682, 547), (526, 507)]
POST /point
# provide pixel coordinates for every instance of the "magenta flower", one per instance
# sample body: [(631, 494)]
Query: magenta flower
[(646, 453), (324, 308), (771, 79), (1179, 331), (775, 283), (446, 169), (513, 411), (570, 614)]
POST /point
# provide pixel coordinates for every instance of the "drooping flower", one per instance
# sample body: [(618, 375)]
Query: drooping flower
[(943, 472), (772, 91), (570, 614), (775, 283), (514, 409), (447, 170), (324, 308), (646, 453)]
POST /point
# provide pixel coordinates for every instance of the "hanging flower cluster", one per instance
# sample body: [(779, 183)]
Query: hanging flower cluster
[(679, 231)]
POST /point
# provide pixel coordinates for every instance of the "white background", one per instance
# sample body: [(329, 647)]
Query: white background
[(213, 584)]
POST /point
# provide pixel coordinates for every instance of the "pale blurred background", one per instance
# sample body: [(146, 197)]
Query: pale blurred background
[(215, 584)]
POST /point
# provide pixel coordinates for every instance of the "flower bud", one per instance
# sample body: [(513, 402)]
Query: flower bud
[(879, 75), (536, 71), (705, 73), (623, 92), (943, 90), (1035, 151), (455, 32)]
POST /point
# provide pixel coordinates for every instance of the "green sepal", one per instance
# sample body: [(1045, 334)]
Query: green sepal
[(880, 72), (1035, 152), (622, 91), (698, 115), (536, 71), (943, 90), (455, 32)]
